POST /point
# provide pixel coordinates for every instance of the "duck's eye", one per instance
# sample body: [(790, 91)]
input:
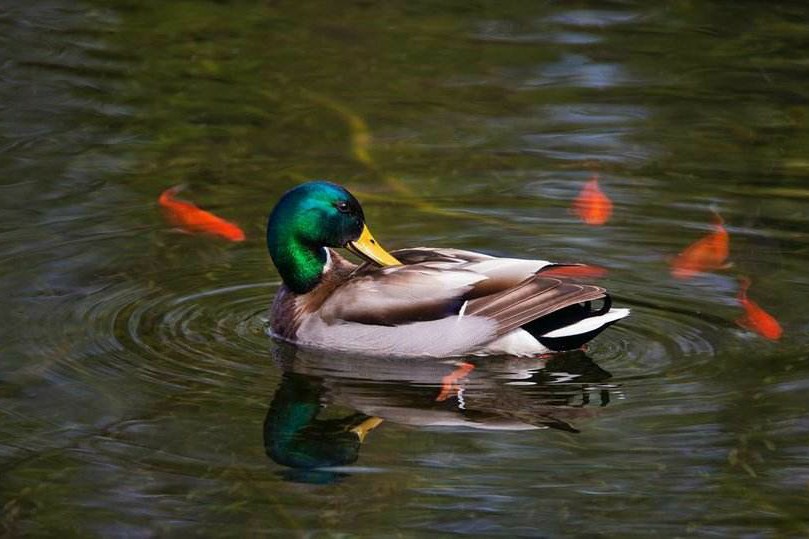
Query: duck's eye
[(342, 206)]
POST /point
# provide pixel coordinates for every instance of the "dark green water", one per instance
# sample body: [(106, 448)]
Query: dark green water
[(136, 379)]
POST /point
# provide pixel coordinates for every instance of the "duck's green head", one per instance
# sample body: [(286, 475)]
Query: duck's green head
[(308, 219)]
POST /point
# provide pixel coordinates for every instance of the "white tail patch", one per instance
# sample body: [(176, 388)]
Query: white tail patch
[(588, 324)]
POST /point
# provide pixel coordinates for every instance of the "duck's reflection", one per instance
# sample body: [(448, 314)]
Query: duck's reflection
[(325, 406)]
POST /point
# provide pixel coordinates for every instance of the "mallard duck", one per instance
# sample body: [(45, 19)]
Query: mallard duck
[(415, 302)]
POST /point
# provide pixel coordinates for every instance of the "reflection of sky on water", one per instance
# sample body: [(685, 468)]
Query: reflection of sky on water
[(546, 29), (508, 32), (582, 131), (595, 113), (580, 71), (581, 146), (591, 17), (589, 131)]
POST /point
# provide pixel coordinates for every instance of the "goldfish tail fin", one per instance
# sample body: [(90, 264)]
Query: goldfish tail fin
[(744, 323), (744, 284), (168, 194), (718, 220), (179, 188)]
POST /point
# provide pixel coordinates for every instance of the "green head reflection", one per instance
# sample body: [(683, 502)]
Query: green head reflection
[(295, 437)]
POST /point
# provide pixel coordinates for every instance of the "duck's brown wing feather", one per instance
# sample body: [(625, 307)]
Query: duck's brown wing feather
[(533, 298), (399, 295)]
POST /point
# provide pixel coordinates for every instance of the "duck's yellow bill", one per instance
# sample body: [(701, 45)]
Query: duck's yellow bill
[(367, 248), (365, 427)]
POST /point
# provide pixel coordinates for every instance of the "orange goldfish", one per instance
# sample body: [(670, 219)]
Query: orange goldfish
[(708, 253), (188, 217), (592, 205), (755, 318)]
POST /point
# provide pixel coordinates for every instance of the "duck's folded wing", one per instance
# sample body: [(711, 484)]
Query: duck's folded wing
[(435, 283), (399, 295), (534, 298)]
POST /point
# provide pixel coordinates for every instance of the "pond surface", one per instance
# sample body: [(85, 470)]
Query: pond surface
[(140, 394)]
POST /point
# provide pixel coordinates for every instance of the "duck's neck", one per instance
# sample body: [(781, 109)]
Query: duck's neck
[(301, 266)]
